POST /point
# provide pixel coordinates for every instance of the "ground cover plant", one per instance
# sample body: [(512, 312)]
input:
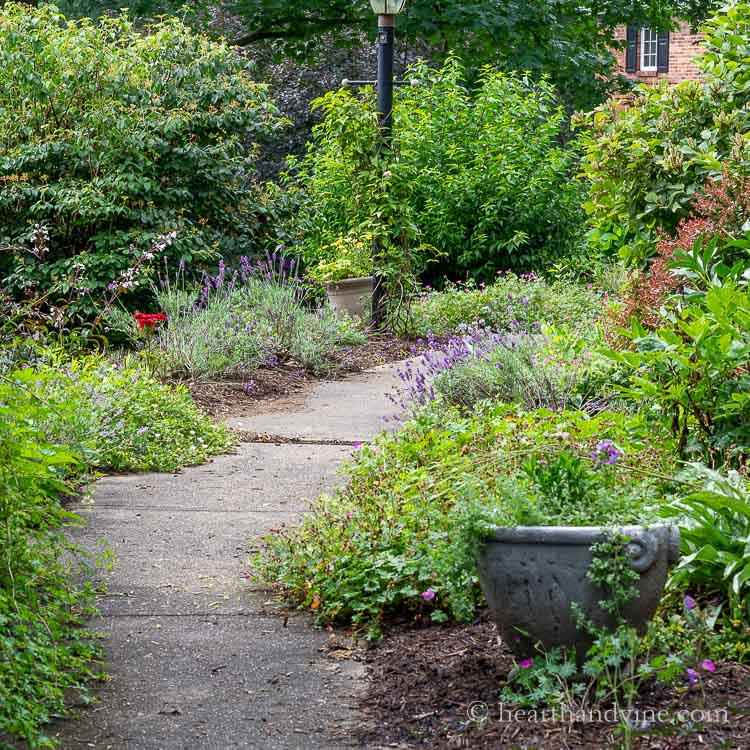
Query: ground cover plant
[(44, 652), (510, 303), (388, 544), (113, 138)]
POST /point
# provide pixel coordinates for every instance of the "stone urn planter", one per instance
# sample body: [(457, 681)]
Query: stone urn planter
[(530, 575), (351, 295)]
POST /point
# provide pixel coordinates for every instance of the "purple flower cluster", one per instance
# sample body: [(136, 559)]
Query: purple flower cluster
[(470, 343), (606, 452), (275, 268)]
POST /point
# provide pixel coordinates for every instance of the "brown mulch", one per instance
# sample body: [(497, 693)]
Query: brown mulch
[(425, 684), (289, 381)]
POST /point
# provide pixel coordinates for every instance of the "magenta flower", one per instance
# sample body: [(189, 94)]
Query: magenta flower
[(689, 603), (708, 665), (525, 663), (428, 595), (692, 677), (356, 445)]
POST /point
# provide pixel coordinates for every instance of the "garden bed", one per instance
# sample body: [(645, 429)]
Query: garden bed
[(424, 683), (221, 399)]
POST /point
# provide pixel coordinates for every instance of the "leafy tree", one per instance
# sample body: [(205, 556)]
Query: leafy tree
[(569, 40), (477, 179)]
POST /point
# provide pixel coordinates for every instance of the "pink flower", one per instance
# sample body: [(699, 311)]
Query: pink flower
[(525, 663), (690, 603), (356, 445), (708, 665), (428, 595), (350, 514)]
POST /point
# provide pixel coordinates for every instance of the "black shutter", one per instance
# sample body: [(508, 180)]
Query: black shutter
[(662, 53), (631, 54)]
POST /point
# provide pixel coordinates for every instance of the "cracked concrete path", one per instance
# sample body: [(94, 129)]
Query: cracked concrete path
[(197, 660)]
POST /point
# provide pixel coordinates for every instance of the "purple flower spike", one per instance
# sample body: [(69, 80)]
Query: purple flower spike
[(689, 603), (692, 676), (708, 665), (525, 663), (428, 595)]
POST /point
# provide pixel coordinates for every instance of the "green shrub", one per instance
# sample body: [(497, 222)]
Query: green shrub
[(44, 652), (113, 137), (692, 369), (371, 549), (476, 180), (647, 160), (715, 525), (509, 302), (521, 372)]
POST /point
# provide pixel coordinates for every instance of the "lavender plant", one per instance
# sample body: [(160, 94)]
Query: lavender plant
[(237, 320), (477, 364)]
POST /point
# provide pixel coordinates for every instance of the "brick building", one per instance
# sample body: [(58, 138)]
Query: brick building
[(652, 56)]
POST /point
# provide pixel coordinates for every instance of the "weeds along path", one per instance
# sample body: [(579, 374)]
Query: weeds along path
[(197, 656)]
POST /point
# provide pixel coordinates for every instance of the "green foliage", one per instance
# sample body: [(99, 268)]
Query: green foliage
[(715, 528), (509, 301), (350, 258), (113, 137), (404, 524), (566, 489), (122, 418), (44, 653), (692, 370), (647, 161), (476, 179), (520, 371)]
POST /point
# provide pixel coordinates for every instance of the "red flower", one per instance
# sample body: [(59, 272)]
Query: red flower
[(148, 319)]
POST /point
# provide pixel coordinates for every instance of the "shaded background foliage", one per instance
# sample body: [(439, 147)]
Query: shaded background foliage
[(569, 41)]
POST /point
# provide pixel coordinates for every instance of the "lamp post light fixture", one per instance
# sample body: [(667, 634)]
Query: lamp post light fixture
[(386, 11)]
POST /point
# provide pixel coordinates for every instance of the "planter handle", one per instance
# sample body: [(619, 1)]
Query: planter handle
[(642, 549)]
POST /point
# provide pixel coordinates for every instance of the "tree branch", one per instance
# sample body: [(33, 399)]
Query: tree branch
[(297, 28)]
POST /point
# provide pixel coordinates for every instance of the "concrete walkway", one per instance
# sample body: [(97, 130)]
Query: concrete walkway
[(197, 659)]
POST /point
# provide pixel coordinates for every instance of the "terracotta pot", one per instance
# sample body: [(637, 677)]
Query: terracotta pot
[(351, 295), (530, 575)]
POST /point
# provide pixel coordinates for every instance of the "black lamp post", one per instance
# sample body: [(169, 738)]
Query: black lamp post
[(386, 10)]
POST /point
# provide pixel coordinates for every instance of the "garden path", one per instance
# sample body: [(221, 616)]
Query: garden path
[(198, 658)]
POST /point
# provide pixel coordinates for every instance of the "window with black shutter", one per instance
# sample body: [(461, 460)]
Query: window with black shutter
[(631, 53), (662, 52)]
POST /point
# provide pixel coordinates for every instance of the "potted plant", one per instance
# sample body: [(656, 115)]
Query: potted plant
[(538, 547), (346, 275)]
